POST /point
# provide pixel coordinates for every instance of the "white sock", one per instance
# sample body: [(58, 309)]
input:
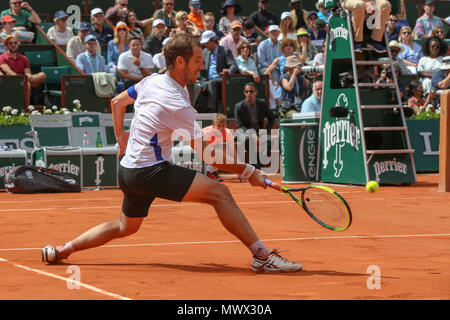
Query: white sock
[(259, 250)]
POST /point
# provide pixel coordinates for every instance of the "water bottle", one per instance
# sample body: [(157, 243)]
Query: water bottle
[(99, 142), (85, 139)]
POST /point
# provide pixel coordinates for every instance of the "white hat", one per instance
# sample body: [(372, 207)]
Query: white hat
[(166, 40), (207, 36), (286, 14), (96, 11), (273, 27), (158, 21)]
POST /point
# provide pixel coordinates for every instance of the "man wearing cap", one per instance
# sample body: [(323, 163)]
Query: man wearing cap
[(235, 37), (22, 12), (360, 9), (427, 22), (196, 14), (102, 33), (60, 34), (441, 78), (134, 64), (12, 63), (153, 43), (89, 61), (167, 13), (299, 15), (263, 18), (216, 59), (8, 23), (269, 50), (76, 46)]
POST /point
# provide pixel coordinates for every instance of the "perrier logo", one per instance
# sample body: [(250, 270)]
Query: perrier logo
[(389, 166)]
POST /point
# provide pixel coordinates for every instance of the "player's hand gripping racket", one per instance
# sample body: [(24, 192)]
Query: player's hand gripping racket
[(323, 204)]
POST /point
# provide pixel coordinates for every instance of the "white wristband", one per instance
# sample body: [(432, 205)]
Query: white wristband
[(248, 171)]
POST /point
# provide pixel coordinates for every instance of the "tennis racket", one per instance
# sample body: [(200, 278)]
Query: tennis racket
[(323, 204)]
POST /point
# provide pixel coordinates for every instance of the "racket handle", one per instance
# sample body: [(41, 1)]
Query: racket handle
[(272, 184)]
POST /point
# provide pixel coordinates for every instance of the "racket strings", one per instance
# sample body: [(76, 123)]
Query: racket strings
[(326, 207)]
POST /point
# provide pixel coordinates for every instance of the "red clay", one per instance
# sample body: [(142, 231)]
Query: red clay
[(183, 252)]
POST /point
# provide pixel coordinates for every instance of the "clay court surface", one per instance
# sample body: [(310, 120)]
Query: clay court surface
[(182, 252)]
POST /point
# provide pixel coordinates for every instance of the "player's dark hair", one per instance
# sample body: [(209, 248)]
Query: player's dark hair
[(182, 45)]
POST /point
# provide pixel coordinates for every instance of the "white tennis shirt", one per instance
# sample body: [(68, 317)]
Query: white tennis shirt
[(162, 111)]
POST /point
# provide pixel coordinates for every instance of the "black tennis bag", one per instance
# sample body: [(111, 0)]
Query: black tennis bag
[(32, 179)]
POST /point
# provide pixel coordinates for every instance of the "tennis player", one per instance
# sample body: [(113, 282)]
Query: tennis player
[(162, 106)]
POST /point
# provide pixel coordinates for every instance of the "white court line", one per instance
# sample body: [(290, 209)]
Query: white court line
[(72, 281), (406, 236)]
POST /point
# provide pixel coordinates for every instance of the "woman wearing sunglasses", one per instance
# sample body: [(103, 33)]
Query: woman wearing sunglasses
[(412, 51), (60, 34), (434, 50)]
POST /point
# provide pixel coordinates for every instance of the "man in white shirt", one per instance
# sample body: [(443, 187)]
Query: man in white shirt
[(163, 110), (134, 64), (235, 37)]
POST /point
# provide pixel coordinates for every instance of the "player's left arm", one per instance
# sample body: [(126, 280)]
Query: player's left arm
[(118, 106), (218, 158)]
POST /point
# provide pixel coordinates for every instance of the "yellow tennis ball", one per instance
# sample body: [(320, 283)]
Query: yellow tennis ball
[(372, 186)]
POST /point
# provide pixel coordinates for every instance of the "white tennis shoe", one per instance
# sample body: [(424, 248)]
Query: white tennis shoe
[(274, 263)]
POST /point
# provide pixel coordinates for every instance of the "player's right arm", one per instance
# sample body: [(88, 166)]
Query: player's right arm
[(118, 106)]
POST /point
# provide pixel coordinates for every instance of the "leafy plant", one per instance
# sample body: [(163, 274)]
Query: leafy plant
[(429, 113)]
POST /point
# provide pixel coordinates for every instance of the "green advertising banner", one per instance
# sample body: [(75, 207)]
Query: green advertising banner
[(424, 135), (388, 168), (66, 161), (100, 167), (9, 160)]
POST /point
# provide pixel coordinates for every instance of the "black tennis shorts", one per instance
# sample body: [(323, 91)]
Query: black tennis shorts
[(141, 186)]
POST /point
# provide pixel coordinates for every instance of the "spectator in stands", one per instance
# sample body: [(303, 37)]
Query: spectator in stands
[(196, 13), (441, 78), (102, 33), (153, 43), (183, 25), (3, 48), (269, 50), (251, 35), (167, 13), (307, 51), (232, 40), (287, 30), (75, 46), (118, 45), (217, 135), (299, 15), (439, 32), (249, 115), (209, 21), (216, 59), (402, 20), (22, 12), (416, 99), (136, 26), (288, 48), (400, 83), (8, 28), (427, 22), (263, 18), (13, 63), (159, 60), (322, 13), (313, 102), (134, 64), (412, 53), (434, 50), (228, 12), (246, 65), (315, 33), (118, 12), (60, 33), (89, 61), (293, 87), (391, 28), (359, 9), (397, 49), (319, 58)]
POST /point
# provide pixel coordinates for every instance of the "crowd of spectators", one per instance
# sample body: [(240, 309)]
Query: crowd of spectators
[(262, 44)]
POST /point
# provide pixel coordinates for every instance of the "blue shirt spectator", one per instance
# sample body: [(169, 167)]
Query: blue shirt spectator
[(312, 104), (212, 68), (89, 61)]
